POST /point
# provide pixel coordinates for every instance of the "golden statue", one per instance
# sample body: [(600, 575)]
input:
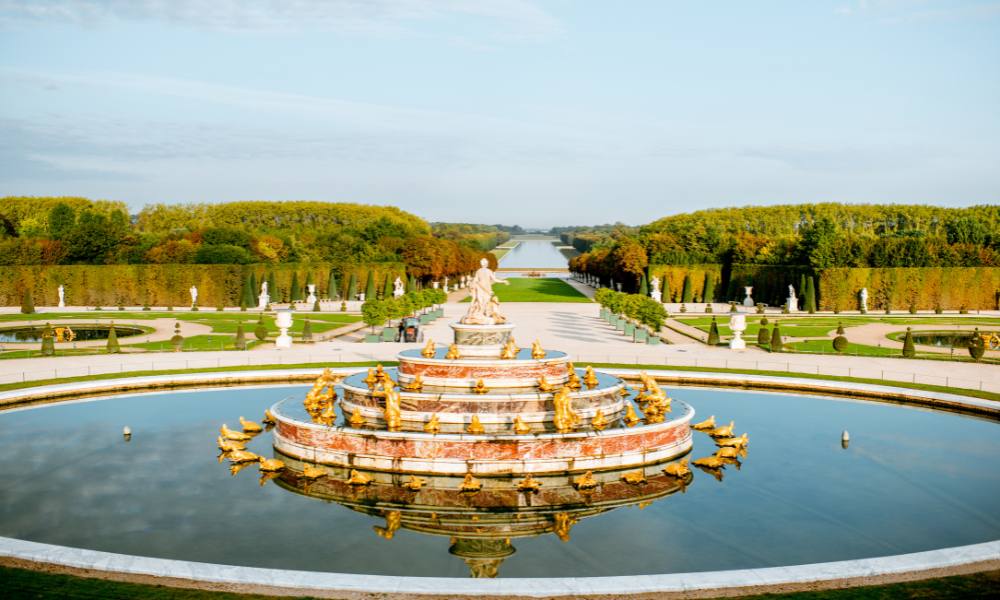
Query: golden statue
[(475, 426), (470, 484), (634, 477), (453, 353), (574, 381), (563, 523), (709, 462), (480, 387), (379, 371), (705, 425), (544, 386), (414, 483), (329, 415), (357, 420), (598, 423), (357, 478), (736, 442), (724, 431), (631, 418), (372, 379), (585, 482), (230, 445), (269, 417), (433, 426), (537, 352), (242, 456), (509, 350), (625, 391), (229, 434), (429, 350), (393, 420), (520, 427), (728, 452), (237, 467), (417, 384), (392, 521), (310, 472), (528, 484), (678, 469), (565, 419), (271, 465), (590, 378)]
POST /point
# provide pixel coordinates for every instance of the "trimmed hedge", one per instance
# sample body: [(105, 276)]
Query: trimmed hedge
[(160, 285), (672, 280), (924, 288)]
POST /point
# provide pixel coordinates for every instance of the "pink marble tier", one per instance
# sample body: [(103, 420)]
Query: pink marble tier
[(489, 454), (495, 372)]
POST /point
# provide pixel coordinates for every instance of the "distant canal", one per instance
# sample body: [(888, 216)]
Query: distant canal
[(534, 254)]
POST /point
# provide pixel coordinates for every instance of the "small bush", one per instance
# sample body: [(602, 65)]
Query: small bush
[(760, 308), (112, 346), (763, 335), (241, 338), (27, 303), (840, 343), (307, 331), (909, 350), (343, 306), (776, 345), (840, 328), (260, 331), (316, 307), (713, 333), (177, 340)]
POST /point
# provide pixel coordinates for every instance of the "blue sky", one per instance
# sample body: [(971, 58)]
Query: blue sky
[(531, 112)]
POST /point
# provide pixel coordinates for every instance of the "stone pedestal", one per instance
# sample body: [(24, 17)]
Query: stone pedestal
[(481, 340), (793, 304), (284, 323), (737, 324)]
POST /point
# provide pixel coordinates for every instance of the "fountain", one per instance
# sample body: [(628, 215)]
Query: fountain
[(483, 406)]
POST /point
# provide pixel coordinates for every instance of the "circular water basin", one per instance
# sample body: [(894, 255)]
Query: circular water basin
[(941, 339), (910, 480), (81, 333)]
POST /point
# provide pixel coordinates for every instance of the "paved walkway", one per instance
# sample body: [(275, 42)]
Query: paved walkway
[(571, 327), (876, 334)]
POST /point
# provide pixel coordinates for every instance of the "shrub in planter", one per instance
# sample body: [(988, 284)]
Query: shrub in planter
[(220, 307), (713, 333), (708, 308), (260, 331), (343, 306), (146, 307), (963, 311), (684, 308), (909, 351), (121, 307)]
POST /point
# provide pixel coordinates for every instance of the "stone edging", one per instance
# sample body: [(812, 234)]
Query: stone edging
[(850, 573)]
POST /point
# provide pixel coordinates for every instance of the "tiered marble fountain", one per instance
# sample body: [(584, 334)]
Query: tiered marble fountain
[(483, 408)]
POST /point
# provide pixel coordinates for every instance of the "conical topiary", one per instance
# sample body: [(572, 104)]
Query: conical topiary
[(254, 290), (332, 288), (316, 307), (27, 302), (246, 298), (840, 328), (307, 331), (713, 333), (909, 351), (810, 296), (272, 287), (370, 291), (643, 286), (241, 337), (112, 346), (687, 294), (48, 341), (387, 286), (260, 331), (352, 287), (708, 292), (763, 334), (776, 345), (295, 290)]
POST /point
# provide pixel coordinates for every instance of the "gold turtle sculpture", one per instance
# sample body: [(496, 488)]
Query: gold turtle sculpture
[(529, 484), (237, 436), (724, 431), (520, 427), (537, 352), (453, 353), (678, 469), (470, 484), (357, 478), (585, 482), (634, 477), (475, 426), (705, 425), (434, 425), (414, 483), (429, 350)]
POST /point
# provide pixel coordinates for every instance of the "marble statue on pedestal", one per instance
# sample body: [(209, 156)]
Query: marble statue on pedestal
[(864, 300), (311, 299), (264, 298), (484, 308), (194, 295), (656, 294), (793, 301), (62, 297), (397, 288), (748, 301)]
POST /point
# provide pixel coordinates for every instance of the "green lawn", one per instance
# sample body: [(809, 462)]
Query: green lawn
[(22, 584), (537, 289), (821, 326)]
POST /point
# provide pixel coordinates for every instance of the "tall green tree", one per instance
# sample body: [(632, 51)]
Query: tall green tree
[(643, 286), (370, 290), (62, 219), (246, 298), (295, 291), (708, 295), (332, 288), (272, 287), (254, 289), (810, 303), (687, 294), (352, 287), (387, 286)]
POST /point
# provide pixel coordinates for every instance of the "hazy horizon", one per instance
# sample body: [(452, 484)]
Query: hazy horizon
[(535, 113)]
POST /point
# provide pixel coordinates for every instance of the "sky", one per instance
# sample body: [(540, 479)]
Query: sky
[(537, 113)]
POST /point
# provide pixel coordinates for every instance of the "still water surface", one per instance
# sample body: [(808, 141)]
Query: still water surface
[(534, 254), (910, 480)]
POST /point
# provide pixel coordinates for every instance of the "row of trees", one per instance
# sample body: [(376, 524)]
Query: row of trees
[(55, 231), (376, 312), (642, 309)]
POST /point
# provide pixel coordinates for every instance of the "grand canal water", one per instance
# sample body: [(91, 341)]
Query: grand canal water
[(910, 480), (534, 254)]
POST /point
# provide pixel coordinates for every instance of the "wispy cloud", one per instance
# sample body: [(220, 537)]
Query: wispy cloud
[(509, 18), (900, 11)]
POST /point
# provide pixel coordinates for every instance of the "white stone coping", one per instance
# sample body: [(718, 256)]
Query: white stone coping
[(390, 586), (861, 571)]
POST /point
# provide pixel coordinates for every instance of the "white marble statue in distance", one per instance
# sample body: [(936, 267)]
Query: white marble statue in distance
[(62, 297), (793, 301), (194, 295), (311, 299), (481, 288), (264, 298), (864, 300), (397, 288), (656, 294)]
